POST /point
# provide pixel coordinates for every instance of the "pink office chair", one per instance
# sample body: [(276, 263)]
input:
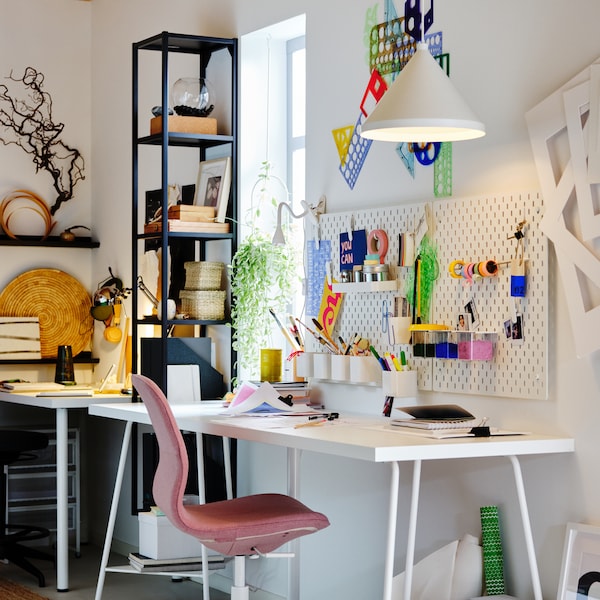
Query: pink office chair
[(241, 527)]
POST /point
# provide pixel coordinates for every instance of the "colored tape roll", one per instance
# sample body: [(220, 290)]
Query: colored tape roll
[(456, 269), (489, 268), (468, 272), (377, 243)]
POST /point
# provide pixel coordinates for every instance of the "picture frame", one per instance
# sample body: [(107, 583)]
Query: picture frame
[(213, 185), (580, 572)]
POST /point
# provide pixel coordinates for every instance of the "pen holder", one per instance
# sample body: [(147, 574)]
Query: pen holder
[(304, 364), (321, 365), (401, 329), (399, 384), (340, 367), (365, 369), (65, 372), (270, 364)]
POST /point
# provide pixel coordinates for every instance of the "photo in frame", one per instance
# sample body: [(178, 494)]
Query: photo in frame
[(580, 572), (213, 184)]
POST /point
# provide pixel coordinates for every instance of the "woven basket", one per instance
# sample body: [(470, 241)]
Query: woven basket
[(203, 275), (206, 305)]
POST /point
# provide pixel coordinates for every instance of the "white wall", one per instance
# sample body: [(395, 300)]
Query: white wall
[(505, 58)]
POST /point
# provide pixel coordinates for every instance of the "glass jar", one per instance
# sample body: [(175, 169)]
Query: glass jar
[(192, 97)]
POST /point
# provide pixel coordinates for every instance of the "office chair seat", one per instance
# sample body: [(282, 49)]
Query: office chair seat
[(245, 526), (14, 446)]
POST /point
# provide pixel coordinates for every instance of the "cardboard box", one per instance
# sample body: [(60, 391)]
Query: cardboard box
[(160, 539), (177, 124)]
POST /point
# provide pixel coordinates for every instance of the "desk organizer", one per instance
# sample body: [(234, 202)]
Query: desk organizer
[(399, 384), (337, 367), (473, 345)]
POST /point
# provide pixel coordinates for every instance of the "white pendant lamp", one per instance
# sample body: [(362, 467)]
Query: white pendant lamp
[(422, 105)]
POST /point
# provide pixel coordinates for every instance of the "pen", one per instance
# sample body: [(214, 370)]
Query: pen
[(382, 362), (312, 423)]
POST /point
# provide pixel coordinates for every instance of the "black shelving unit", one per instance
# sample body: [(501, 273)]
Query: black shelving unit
[(180, 245), (187, 244)]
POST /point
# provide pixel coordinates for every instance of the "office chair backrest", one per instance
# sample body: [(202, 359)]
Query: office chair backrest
[(171, 474)]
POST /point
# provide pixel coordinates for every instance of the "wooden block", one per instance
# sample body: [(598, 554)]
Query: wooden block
[(187, 212), (177, 124), (20, 338)]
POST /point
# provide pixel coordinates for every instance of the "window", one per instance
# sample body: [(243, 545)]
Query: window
[(272, 130)]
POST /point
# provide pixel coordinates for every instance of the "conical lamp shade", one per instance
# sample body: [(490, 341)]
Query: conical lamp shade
[(422, 105)]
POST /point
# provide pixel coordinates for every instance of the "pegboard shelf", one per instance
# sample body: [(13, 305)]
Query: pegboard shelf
[(365, 286)]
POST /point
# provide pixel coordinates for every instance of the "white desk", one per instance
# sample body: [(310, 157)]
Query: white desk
[(61, 406), (361, 438)]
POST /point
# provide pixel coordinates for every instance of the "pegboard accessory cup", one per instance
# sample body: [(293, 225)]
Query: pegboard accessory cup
[(322, 365), (399, 384), (304, 364), (401, 328)]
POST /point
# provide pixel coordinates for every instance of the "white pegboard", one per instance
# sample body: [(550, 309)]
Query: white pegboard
[(471, 230)]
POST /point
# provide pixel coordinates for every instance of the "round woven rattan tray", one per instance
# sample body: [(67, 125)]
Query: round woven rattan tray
[(59, 301)]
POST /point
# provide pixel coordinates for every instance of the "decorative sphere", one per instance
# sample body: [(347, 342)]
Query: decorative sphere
[(192, 97)]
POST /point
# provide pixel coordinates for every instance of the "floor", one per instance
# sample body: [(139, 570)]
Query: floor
[(83, 575)]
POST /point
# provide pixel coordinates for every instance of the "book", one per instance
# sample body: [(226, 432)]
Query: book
[(186, 212), (148, 565), (436, 416), (177, 225), (439, 424), (444, 434)]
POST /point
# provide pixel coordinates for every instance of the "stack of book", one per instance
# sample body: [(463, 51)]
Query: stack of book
[(149, 565)]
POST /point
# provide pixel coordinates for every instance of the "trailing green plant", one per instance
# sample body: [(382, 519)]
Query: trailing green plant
[(261, 276)]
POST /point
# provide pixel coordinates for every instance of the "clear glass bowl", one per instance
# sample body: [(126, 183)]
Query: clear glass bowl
[(192, 97)]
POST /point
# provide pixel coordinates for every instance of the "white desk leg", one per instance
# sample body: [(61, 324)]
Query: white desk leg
[(535, 576), (412, 528), (227, 463), (113, 509), (293, 457), (202, 496), (62, 500), (391, 539)]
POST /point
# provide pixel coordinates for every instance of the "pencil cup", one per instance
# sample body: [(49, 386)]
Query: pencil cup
[(322, 365), (365, 369), (400, 328), (270, 364), (340, 367), (64, 366), (304, 364), (399, 384)]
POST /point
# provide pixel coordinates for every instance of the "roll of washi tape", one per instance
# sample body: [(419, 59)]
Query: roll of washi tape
[(377, 243), (489, 268), (456, 269), (491, 543), (468, 272)]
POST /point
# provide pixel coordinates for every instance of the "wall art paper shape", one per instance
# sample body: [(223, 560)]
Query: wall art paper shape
[(563, 129), (316, 273)]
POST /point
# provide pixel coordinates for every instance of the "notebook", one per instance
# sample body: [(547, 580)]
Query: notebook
[(436, 416)]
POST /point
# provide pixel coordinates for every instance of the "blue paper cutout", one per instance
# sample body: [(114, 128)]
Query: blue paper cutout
[(357, 153), (316, 272)]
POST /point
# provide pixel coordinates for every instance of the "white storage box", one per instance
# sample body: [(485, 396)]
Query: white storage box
[(160, 539)]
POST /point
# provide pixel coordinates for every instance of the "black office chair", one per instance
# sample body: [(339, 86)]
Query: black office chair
[(14, 446)]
